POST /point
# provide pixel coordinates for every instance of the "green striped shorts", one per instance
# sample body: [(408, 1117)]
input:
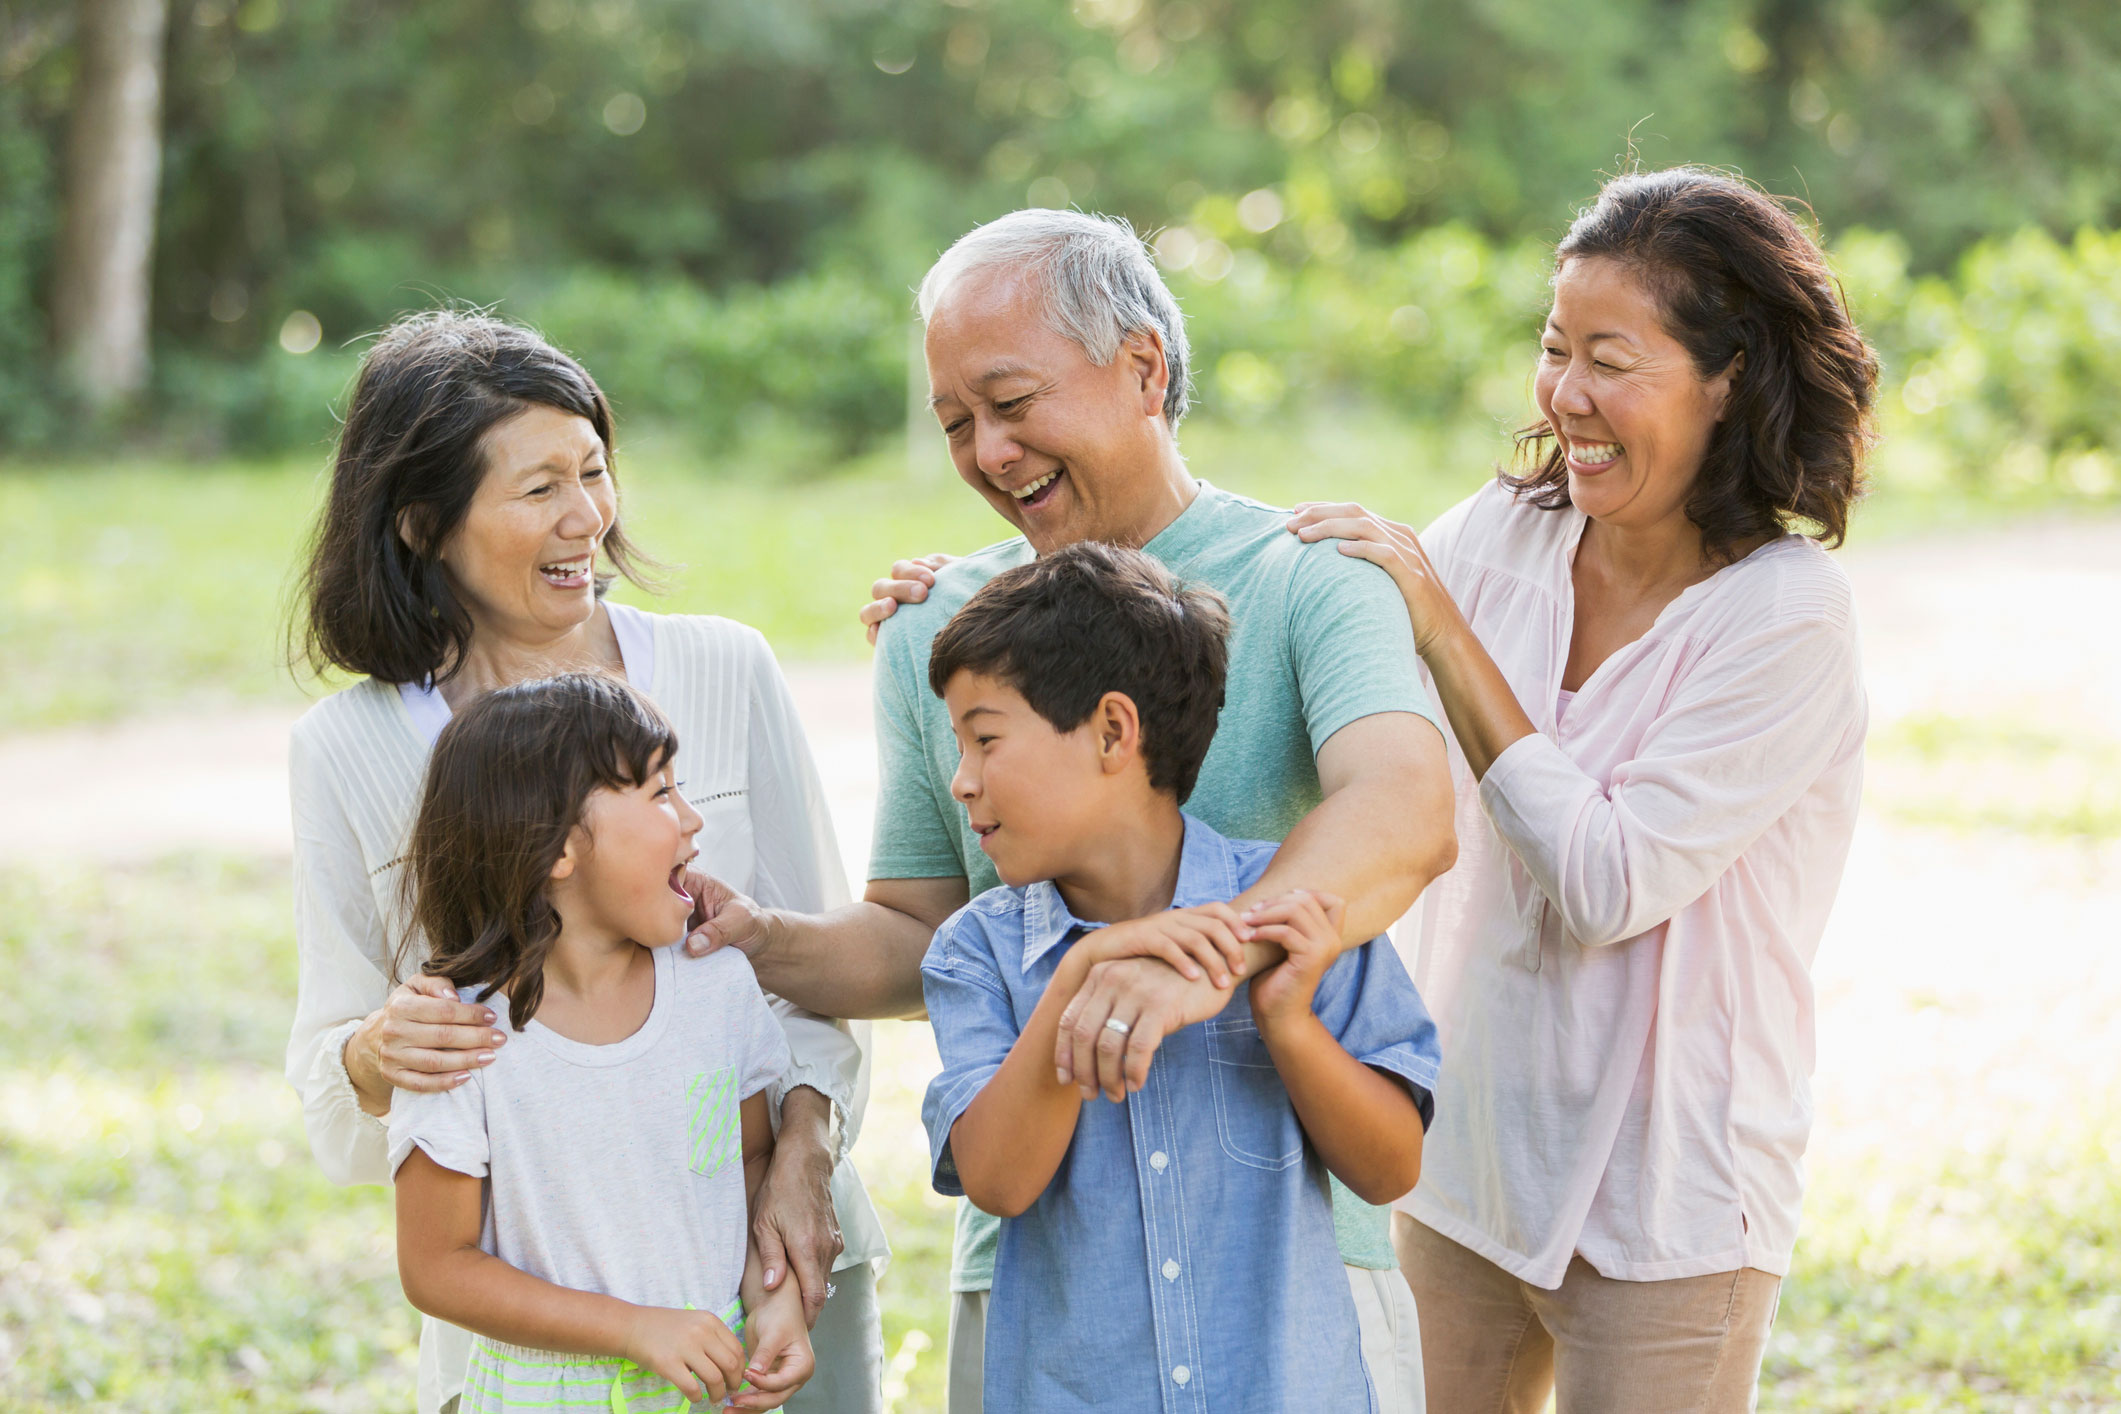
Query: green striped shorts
[(504, 1378)]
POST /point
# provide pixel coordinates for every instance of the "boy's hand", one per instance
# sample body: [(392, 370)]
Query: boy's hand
[(1150, 1000), (1210, 937), (691, 1349), (781, 1358), (1307, 925)]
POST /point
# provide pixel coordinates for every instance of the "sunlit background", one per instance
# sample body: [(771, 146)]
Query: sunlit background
[(722, 206)]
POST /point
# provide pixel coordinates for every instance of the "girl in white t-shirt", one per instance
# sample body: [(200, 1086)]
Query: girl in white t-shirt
[(580, 1204)]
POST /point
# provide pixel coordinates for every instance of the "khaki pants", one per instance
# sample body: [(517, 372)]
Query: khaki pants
[(1493, 1344), (1391, 1343)]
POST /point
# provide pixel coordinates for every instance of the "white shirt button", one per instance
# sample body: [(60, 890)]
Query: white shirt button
[(1181, 1374), (1170, 1270), (1159, 1161)]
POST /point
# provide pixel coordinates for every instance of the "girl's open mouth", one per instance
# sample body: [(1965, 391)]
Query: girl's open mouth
[(677, 884)]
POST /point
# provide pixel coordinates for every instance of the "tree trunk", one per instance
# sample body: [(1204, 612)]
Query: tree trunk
[(113, 164)]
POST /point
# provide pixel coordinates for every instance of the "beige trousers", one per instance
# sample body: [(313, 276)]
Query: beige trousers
[(1384, 1308), (1494, 1344)]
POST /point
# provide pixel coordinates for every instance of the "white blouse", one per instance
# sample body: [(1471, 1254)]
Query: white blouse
[(357, 762), (1619, 965)]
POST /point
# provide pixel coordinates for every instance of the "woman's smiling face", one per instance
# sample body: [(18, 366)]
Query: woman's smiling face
[(1630, 413), (524, 558)]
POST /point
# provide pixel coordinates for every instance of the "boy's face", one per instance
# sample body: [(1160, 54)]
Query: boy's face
[(1035, 795)]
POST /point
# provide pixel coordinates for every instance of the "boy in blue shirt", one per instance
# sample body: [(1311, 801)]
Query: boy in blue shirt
[(1173, 1250)]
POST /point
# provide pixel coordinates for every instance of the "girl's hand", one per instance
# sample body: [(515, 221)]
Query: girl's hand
[(691, 1349), (1391, 546), (422, 1038), (1209, 937), (1307, 925), (908, 583), (781, 1359)]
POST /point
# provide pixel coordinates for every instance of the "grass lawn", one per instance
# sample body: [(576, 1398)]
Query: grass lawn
[(148, 586), (166, 1243)]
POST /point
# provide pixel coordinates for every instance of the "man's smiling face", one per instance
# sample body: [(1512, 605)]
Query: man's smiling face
[(1064, 449)]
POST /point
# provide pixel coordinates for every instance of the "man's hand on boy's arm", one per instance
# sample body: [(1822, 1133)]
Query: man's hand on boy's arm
[(1365, 1124), (447, 1276)]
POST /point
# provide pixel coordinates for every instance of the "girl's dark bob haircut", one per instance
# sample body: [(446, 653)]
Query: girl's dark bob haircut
[(373, 599), (506, 785), (1734, 273)]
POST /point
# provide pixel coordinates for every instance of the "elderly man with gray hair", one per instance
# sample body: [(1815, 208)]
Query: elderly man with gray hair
[(1057, 366)]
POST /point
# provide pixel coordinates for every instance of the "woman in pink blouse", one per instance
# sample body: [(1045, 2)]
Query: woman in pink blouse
[(1650, 668)]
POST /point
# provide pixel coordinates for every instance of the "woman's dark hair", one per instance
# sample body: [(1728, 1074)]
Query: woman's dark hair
[(506, 785), (412, 450), (1090, 619), (1734, 273)]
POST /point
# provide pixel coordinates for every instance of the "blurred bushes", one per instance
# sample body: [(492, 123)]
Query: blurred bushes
[(813, 367), (2001, 375)]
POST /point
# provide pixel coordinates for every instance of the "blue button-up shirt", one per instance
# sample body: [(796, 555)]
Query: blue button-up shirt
[(1182, 1259)]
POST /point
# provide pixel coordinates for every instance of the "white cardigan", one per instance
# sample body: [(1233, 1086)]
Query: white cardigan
[(356, 767), (1619, 965)]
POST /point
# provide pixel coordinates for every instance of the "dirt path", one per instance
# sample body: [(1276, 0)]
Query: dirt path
[(1966, 981)]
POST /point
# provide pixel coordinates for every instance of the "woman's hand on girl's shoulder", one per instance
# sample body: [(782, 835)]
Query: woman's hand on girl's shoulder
[(1392, 547), (781, 1358), (908, 583), (422, 1038), (691, 1349)]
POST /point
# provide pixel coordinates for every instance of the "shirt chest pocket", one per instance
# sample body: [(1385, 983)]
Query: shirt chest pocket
[(728, 848), (714, 1130), (1253, 1116)]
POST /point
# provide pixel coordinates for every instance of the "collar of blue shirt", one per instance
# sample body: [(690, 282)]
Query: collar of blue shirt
[(1207, 873)]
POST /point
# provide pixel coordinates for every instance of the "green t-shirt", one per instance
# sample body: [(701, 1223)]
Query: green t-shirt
[(1318, 640)]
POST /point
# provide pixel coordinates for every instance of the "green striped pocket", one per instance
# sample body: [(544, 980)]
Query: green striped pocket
[(715, 1128)]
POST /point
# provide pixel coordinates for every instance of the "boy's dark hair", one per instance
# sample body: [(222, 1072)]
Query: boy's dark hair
[(506, 785), (1090, 619)]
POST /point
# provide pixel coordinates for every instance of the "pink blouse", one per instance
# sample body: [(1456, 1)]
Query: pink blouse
[(1619, 964)]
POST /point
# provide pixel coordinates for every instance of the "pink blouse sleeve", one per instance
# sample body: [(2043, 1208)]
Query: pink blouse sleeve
[(1751, 724)]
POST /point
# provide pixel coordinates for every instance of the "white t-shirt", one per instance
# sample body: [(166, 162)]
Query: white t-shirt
[(616, 1169)]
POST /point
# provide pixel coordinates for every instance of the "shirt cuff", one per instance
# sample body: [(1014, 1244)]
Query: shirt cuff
[(818, 1078), (337, 1086)]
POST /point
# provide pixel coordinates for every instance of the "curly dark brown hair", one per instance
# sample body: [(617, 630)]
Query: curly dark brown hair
[(1734, 272)]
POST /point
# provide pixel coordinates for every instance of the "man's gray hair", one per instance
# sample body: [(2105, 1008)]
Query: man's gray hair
[(1098, 280)]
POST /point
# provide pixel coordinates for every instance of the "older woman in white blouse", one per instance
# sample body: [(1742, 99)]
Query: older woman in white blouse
[(1652, 678), (470, 505)]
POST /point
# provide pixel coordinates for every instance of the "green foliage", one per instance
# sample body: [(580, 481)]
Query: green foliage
[(703, 167), (813, 367)]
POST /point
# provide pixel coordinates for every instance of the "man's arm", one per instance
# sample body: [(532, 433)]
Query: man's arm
[(859, 962), (1382, 833)]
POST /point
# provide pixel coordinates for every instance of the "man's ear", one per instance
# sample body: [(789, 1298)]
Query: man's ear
[(1143, 354), (1119, 732)]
